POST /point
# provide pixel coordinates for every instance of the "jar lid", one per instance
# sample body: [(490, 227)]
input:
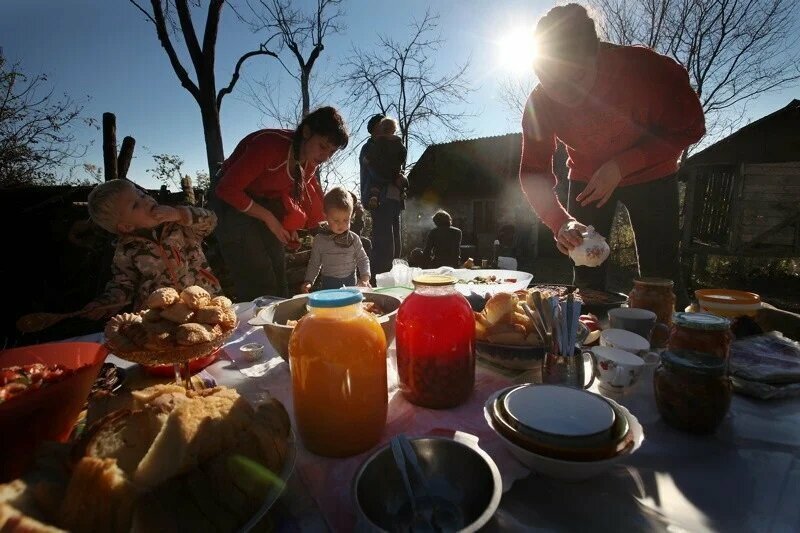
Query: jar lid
[(657, 282), (434, 280), (699, 362), (701, 321), (334, 298)]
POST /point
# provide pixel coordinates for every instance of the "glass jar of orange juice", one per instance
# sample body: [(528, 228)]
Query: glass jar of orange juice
[(337, 357)]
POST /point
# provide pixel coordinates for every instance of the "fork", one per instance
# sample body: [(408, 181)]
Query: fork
[(421, 508)]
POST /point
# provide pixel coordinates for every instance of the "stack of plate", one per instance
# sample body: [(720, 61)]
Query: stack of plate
[(561, 431)]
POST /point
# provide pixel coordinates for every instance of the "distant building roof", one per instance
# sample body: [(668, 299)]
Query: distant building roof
[(774, 138), (467, 166)]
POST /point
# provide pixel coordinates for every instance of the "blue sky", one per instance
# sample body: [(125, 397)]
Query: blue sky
[(106, 50)]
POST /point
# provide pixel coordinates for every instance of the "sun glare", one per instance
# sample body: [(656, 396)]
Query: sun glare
[(515, 51)]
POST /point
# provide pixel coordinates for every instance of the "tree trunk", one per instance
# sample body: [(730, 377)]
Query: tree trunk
[(215, 153), (125, 156), (109, 146), (304, 77)]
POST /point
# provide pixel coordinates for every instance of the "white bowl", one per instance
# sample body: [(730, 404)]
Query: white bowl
[(464, 286), (624, 340), (559, 468)]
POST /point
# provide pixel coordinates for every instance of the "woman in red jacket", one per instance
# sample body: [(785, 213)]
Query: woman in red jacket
[(625, 114), (267, 190)]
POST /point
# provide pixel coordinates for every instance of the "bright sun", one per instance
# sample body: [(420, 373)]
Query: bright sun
[(515, 51)]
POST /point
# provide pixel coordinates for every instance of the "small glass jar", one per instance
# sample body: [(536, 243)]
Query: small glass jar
[(337, 357), (436, 344), (656, 295), (692, 390), (701, 332)]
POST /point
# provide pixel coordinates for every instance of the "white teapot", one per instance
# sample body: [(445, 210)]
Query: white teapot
[(592, 251)]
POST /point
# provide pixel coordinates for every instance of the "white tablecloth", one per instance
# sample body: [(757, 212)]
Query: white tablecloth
[(745, 477)]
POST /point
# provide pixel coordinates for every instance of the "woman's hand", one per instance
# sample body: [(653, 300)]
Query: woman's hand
[(569, 236), (305, 288), (276, 228), (601, 186), (364, 283)]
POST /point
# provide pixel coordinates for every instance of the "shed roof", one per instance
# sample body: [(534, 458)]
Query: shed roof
[(480, 165), (774, 138)]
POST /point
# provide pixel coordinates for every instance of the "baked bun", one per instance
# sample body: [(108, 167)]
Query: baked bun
[(178, 312), (500, 307), (210, 315), (195, 297), (192, 333), (163, 297), (221, 301)]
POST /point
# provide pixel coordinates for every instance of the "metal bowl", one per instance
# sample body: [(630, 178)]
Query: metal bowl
[(273, 318), (459, 473)]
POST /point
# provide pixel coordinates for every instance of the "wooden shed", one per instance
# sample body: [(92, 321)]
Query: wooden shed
[(743, 192), (477, 181)]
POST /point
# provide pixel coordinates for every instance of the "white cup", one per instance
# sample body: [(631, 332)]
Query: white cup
[(616, 369), (651, 360), (624, 340), (252, 351)]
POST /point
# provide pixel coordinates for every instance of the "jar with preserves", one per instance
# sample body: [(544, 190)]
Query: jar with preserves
[(692, 390), (337, 357), (701, 332), (656, 295), (436, 344)]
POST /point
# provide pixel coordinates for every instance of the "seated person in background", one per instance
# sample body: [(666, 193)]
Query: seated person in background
[(416, 259), (157, 246), (443, 245), (337, 250)]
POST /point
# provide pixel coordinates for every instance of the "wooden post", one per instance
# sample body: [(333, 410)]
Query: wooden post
[(125, 156), (109, 146)]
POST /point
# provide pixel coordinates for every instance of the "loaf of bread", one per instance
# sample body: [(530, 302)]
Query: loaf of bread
[(173, 460)]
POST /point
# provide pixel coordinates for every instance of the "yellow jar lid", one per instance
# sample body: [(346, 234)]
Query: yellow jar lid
[(434, 280)]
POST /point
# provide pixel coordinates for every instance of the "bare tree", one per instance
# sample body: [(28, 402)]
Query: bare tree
[(513, 92), (734, 50), (300, 35), (168, 169), (401, 78), (203, 54), (36, 129)]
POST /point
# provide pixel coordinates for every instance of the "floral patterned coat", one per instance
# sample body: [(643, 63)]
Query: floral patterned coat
[(169, 255)]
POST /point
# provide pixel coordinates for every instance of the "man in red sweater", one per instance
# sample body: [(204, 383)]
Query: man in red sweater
[(625, 114)]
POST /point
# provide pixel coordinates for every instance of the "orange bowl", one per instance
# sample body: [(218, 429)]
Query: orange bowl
[(728, 303), (168, 371), (50, 412)]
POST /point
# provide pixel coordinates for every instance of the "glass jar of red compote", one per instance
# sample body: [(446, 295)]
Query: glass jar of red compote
[(436, 344)]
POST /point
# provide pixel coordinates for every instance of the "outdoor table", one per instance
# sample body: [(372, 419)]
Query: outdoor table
[(745, 477)]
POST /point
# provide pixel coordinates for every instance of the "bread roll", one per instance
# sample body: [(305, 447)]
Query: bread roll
[(500, 307), (99, 497)]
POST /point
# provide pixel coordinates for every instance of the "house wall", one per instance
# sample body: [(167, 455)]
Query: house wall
[(770, 194)]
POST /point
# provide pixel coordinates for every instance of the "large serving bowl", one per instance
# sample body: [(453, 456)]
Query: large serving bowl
[(459, 473), (50, 412), (562, 468), (560, 444), (511, 356), (273, 318)]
